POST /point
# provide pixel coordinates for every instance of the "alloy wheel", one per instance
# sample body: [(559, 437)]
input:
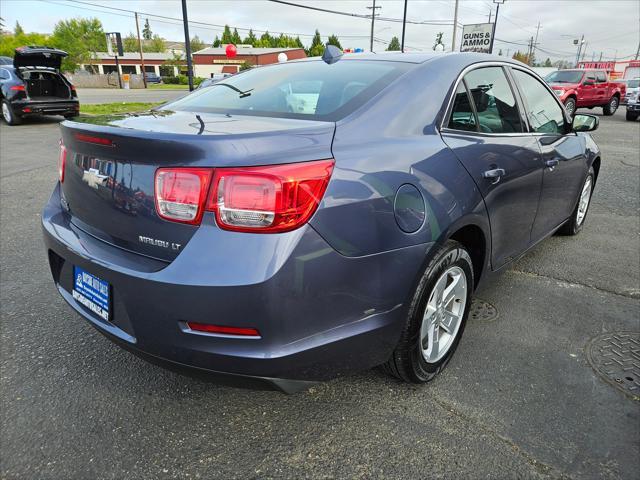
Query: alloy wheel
[(613, 105), (6, 114), (583, 203), (443, 314)]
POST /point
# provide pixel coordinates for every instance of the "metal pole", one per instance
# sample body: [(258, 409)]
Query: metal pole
[(455, 27), (187, 44), (535, 42), (637, 51), (404, 25), (118, 71), (579, 50), (495, 24), (373, 19), (144, 73)]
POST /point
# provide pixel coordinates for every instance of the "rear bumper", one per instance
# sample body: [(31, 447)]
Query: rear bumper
[(31, 107), (319, 314)]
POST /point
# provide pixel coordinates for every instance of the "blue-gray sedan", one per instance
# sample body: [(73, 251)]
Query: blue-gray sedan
[(303, 220)]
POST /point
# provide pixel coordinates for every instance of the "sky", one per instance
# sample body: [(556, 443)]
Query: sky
[(610, 27)]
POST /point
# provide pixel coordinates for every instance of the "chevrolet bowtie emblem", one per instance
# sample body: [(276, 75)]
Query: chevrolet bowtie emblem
[(94, 178)]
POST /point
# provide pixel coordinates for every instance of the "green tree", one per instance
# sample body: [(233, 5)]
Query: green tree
[(227, 37), (394, 45), (250, 39), (317, 47), (18, 30), (235, 37), (81, 38), (10, 42), (216, 42), (1, 25), (176, 60), (130, 43), (196, 44), (246, 65), (521, 57), (547, 63), (146, 30), (333, 40), (265, 40), (298, 43), (156, 44)]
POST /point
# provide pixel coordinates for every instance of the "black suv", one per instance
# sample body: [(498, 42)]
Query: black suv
[(33, 85)]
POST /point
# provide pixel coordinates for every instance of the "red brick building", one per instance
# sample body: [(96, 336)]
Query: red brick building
[(208, 61)]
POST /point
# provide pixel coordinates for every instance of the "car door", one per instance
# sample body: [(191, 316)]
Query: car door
[(587, 90), (562, 153), (485, 130)]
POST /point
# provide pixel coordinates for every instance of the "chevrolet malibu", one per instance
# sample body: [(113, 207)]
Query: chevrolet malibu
[(302, 220)]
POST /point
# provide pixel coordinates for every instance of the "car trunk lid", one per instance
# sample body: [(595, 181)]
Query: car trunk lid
[(112, 160), (38, 57)]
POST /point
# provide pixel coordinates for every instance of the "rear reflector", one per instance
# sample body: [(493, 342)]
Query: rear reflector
[(181, 193), (269, 199), (206, 328), (17, 88), (62, 161)]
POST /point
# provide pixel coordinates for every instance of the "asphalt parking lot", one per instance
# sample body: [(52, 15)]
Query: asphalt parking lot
[(518, 400)]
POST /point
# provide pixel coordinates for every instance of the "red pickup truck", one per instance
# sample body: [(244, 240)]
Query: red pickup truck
[(586, 88)]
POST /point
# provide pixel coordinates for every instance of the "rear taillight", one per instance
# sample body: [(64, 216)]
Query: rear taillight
[(62, 161), (270, 199), (17, 88), (181, 193)]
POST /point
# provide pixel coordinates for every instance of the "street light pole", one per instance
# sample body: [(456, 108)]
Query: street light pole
[(187, 44), (579, 50), (373, 19), (404, 25), (144, 73), (455, 27), (495, 23)]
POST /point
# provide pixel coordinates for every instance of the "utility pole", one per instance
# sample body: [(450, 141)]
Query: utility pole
[(638, 51), (373, 19), (584, 52), (455, 27), (530, 51), (580, 42), (490, 12), (404, 25), (508, 50), (495, 23), (187, 44), (535, 43), (144, 73), (600, 59)]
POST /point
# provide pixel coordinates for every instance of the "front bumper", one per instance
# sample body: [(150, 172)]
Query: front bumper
[(633, 107), (319, 314), (29, 107)]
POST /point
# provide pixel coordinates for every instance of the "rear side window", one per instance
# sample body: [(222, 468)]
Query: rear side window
[(544, 113), (4, 74), (309, 90), (494, 101), (601, 77), (462, 115)]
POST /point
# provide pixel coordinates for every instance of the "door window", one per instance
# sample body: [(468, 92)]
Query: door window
[(544, 113), (494, 101), (601, 77), (462, 115)]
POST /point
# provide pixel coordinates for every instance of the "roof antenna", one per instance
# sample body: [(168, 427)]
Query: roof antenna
[(331, 54)]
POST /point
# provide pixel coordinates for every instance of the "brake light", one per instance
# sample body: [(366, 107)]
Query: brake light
[(17, 88), (181, 193), (81, 137), (270, 199), (207, 328), (62, 161)]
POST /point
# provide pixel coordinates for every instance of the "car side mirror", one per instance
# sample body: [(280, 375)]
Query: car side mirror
[(583, 122)]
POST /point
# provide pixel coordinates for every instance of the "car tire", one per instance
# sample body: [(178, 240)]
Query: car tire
[(570, 106), (8, 115), (574, 225), (631, 116), (70, 115), (410, 360), (611, 107)]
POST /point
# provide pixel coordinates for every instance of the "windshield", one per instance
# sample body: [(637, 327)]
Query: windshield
[(309, 90), (633, 83), (565, 76)]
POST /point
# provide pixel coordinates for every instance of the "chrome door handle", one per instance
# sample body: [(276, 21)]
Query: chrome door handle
[(494, 174), (551, 164)]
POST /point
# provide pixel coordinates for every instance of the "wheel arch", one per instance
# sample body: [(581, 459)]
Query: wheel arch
[(596, 167), (474, 239)]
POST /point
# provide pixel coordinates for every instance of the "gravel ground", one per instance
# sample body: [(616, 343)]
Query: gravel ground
[(518, 400)]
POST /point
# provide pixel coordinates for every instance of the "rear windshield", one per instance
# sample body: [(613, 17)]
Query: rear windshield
[(566, 76), (308, 90)]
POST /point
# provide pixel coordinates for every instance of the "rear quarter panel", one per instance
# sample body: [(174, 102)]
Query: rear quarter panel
[(390, 142)]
